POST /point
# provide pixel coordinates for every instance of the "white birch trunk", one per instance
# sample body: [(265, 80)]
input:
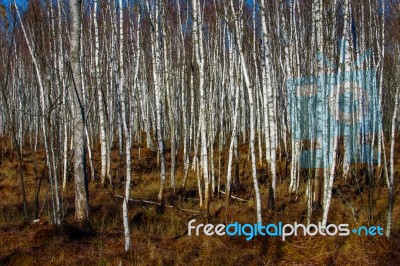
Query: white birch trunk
[(251, 105), (199, 50), (391, 177), (80, 175)]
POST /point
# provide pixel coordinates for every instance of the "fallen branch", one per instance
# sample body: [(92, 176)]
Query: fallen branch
[(233, 197), (157, 203), (187, 210), (144, 201), (183, 198)]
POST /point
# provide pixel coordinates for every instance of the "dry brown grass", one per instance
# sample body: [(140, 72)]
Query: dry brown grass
[(159, 237)]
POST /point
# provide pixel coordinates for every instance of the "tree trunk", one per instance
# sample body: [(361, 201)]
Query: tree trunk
[(80, 174)]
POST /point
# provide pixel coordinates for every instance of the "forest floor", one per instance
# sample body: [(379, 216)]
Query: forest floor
[(159, 235)]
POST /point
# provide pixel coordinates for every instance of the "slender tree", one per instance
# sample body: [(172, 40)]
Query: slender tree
[(80, 174)]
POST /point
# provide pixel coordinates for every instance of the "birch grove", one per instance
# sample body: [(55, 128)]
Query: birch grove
[(202, 84)]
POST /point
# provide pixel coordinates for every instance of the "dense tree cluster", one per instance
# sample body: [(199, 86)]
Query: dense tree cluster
[(195, 76)]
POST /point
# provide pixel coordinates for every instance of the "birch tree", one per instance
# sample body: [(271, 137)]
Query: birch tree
[(199, 55), (269, 104), (80, 174), (102, 123), (236, 22)]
